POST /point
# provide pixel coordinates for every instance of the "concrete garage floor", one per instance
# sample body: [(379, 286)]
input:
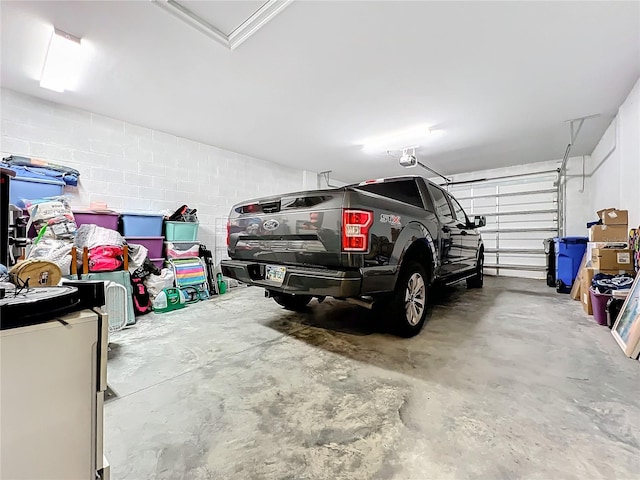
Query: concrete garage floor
[(512, 381)]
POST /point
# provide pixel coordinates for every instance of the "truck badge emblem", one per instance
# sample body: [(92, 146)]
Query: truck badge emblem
[(270, 225), (392, 219)]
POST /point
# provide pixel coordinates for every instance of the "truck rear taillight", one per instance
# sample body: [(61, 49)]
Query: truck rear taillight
[(228, 232), (355, 230)]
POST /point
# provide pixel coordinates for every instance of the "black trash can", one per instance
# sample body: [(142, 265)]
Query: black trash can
[(613, 310), (550, 253)]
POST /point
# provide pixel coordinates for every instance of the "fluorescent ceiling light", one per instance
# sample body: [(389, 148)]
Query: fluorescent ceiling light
[(408, 138), (62, 63)]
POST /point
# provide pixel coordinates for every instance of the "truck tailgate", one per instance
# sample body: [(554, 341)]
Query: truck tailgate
[(294, 229)]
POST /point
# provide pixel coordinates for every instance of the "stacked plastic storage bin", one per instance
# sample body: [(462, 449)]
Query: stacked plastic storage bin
[(182, 250), (181, 231), (26, 188), (181, 240), (102, 219), (145, 229)]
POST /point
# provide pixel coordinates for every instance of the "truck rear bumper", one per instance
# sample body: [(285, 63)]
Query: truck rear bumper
[(298, 280)]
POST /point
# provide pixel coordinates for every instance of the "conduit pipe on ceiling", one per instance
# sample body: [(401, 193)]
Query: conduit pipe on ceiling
[(575, 125)]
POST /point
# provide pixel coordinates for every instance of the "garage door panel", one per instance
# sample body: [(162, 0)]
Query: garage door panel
[(526, 184), (490, 258), (524, 224), (528, 199), (482, 202), (522, 243), (519, 259), (489, 241), (521, 211)]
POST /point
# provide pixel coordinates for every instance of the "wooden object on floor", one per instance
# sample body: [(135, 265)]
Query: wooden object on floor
[(85, 260), (125, 257), (74, 261), (575, 289)]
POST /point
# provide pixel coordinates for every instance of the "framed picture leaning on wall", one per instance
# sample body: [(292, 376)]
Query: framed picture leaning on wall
[(626, 330)]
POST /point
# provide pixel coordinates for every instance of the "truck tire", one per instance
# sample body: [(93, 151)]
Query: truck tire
[(477, 281), (291, 302), (409, 303)]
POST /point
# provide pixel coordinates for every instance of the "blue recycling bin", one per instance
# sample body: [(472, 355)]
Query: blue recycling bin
[(569, 253)]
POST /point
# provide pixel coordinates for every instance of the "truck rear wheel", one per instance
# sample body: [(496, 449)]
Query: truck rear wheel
[(290, 301), (409, 305)]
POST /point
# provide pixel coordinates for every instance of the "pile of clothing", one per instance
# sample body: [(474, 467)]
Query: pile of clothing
[(34, 168), (605, 284)]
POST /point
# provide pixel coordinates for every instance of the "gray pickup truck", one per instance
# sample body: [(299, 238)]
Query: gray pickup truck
[(380, 244)]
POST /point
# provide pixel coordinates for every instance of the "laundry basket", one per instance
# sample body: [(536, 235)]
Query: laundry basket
[(599, 302)]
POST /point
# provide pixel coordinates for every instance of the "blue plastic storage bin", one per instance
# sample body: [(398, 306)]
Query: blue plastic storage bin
[(23, 188), (141, 224), (569, 253)]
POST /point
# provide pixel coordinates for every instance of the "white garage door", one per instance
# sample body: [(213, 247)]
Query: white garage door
[(521, 211)]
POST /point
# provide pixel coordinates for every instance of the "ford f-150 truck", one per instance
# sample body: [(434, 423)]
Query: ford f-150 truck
[(381, 243)]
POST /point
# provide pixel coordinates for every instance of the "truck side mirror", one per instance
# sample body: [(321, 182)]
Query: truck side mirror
[(479, 221)]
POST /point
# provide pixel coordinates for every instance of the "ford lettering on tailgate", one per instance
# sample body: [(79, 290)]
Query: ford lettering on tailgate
[(271, 225)]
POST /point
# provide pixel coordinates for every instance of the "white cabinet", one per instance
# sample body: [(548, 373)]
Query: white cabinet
[(52, 383)]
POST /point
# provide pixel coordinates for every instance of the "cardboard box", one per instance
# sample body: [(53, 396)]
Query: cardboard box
[(612, 259), (592, 245), (609, 233), (613, 216), (585, 297)]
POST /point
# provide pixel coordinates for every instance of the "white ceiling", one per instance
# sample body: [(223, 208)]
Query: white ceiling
[(498, 78)]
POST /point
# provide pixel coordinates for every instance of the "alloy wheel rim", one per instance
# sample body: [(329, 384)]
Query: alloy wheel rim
[(414, 299)]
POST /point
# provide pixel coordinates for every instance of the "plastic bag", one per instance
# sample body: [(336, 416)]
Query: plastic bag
[(54, 251), (56, 214), (156, 283), (90, 236)]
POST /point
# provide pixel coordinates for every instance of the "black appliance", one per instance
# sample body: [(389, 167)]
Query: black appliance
[(5, 177), (30, 306)]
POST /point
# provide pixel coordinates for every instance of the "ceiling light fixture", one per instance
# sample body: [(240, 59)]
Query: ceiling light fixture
[(62, 63), (399, 140)]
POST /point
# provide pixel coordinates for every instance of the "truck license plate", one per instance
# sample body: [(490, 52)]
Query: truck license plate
[(275, 273)]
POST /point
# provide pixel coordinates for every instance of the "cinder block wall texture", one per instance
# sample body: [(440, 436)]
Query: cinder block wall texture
[(133, 168)]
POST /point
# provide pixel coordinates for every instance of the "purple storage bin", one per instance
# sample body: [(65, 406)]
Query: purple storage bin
[(102, 219), (153, 244), (599, 304), (158, 262)]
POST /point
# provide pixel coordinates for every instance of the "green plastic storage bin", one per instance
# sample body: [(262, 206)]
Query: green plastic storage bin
[(181, 231)]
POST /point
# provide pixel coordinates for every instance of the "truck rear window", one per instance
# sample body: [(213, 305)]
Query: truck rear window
[(405, 191)]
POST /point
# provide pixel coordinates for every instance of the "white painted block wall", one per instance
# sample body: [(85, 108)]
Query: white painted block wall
[(615, 162), (133, 168)]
